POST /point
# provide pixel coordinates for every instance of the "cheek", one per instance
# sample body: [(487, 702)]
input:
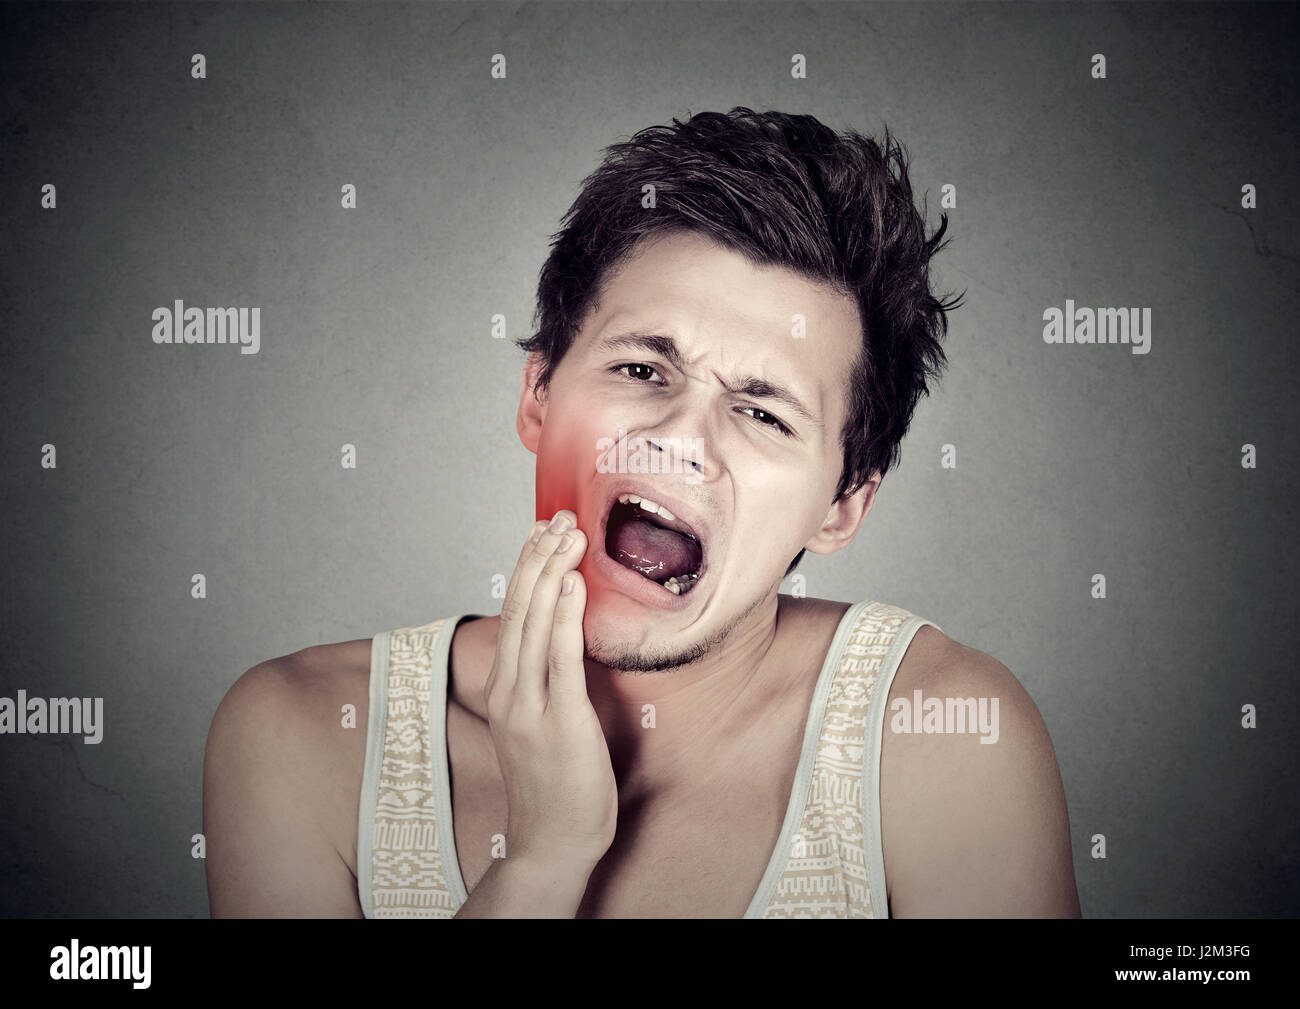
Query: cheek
[(566, 474), (566, 477), (567, 454), (781, 528), (564, 471), (770, 534)]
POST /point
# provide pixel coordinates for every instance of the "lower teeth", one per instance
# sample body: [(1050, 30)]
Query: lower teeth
[(679, 584)]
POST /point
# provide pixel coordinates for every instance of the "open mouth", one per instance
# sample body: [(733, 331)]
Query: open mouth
[(649, 539)]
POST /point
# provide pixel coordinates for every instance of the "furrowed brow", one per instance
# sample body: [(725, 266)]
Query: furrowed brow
[(748, 385), (665, 346), (762, 389)]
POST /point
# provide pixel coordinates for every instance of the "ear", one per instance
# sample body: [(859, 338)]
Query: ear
[(844, 519), (532, 407)]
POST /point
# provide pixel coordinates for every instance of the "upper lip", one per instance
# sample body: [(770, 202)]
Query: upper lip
[(686, 518)]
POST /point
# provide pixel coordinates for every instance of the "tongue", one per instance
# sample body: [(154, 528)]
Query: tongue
[(656, 552)]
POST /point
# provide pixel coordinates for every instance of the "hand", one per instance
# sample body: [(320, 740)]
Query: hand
[(562, 799)]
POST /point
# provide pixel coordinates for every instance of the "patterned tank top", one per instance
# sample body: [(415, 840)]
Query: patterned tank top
[(828, 861)]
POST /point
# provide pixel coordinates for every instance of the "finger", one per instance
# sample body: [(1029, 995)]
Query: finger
[(530, 685), (514, 609), (536, 533), (567, 687), (508, 613)]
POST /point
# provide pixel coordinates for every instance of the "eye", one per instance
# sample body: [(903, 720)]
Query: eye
[(643, 379), (772, 420), (644, 371)]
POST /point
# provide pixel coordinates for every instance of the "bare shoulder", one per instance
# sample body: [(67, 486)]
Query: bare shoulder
[(282, 783), (973, 811), (307, 704)]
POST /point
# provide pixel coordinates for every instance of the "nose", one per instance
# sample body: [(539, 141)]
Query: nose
[(690, 429), (686, 456), (680, 455)]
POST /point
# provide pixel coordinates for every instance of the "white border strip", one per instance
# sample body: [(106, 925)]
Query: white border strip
[(439, 761), (376, 729), (872, 839), (812, 735)]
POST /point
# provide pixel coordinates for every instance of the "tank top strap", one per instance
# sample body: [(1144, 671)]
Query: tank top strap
[(403, 817), (835, 866)]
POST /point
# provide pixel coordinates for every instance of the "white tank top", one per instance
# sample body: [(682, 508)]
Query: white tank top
[(828, 861)]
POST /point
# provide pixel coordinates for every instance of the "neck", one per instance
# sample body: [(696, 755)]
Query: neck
[(696, 709)]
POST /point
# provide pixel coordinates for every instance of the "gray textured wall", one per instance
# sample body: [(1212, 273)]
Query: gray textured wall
[(375, 331)]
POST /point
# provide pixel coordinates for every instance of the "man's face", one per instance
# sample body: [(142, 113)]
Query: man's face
[(745, 495)]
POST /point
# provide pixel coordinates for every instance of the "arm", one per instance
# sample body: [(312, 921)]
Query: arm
[(975, 829), (269, 782), (519, 888)]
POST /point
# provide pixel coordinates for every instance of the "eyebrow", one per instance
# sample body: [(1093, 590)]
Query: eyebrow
[(745, 385)]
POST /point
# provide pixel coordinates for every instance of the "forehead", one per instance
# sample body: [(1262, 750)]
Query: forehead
[(731, 313)]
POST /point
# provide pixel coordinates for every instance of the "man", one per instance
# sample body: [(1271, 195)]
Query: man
[(736, 325)]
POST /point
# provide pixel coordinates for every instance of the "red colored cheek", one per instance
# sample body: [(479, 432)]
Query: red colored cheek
[(566, 478)]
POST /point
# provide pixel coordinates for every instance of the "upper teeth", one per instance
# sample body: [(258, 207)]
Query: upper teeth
[(651, 506)]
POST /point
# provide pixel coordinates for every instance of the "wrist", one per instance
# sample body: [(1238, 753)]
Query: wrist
[(549, 887)]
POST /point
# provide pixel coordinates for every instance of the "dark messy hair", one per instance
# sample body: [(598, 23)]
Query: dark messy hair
[(781, 190)]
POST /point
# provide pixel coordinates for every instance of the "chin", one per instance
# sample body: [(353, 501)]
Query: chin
[(638, 643), (622, 625)]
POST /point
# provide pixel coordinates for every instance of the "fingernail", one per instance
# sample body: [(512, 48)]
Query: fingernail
[(566, 584), (560, 523), (537, 532), (565, 542)]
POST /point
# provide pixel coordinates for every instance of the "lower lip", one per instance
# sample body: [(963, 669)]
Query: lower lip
[(636, 586)]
